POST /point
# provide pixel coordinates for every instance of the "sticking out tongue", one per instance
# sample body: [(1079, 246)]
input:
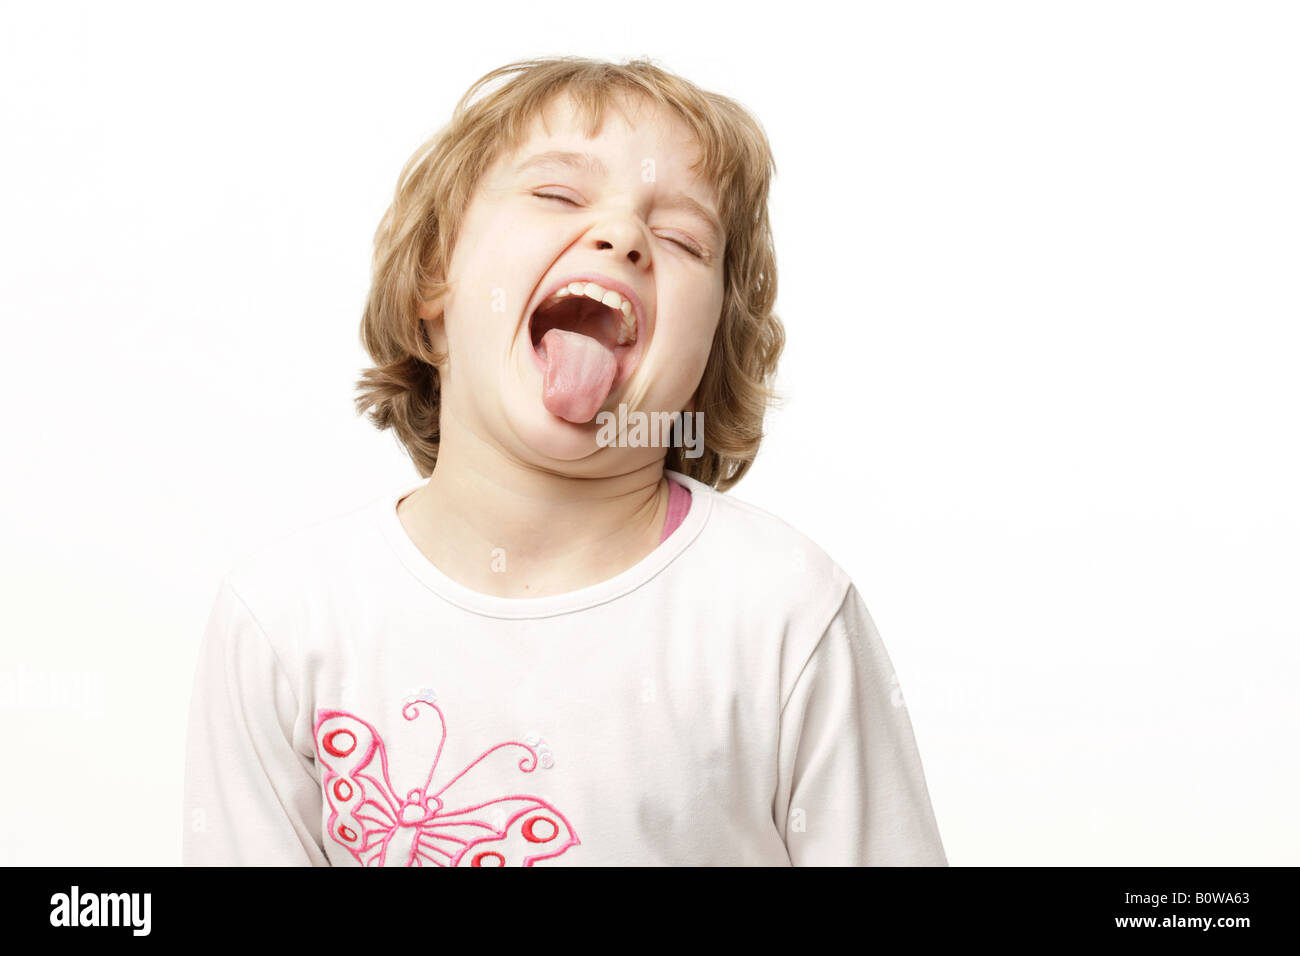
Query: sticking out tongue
[(579, 373)]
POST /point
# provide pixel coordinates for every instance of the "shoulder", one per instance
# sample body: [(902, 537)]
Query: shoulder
[(286, 575), (768, 559), (772, 538)]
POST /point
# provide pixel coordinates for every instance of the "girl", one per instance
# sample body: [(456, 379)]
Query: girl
[(563, 644)]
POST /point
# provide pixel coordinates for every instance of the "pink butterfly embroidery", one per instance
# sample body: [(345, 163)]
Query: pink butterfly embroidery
[(381, 829)]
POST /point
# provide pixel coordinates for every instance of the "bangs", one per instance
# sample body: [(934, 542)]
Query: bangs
[(734, 161)]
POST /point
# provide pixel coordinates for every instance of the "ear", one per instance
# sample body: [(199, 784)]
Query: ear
[(431, 317)]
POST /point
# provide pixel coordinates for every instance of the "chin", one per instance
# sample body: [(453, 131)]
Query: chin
[(545, 435)]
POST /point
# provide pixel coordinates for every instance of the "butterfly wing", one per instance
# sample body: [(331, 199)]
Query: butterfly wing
[(364, 811), (475, 826), (510, 831)]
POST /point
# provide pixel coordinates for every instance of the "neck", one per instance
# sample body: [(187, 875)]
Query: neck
[(510, 529)]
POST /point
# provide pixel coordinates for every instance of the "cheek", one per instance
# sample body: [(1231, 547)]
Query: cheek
[(500, 246), (494, 271), (703, 317), (692, 340)]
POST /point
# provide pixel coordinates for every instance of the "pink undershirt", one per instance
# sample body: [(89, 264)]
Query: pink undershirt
[(679, 502)]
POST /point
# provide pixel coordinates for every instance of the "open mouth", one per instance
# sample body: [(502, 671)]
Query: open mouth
[(585, 337)]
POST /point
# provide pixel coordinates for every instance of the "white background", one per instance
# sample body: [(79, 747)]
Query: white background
[(1038, 265)]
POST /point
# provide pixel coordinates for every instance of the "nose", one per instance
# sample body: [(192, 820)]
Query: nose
[(622, 236)]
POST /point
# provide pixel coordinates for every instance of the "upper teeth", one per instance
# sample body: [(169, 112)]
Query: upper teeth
[(627, 326)]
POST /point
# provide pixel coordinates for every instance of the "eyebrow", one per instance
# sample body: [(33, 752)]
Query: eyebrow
[(586, 162)]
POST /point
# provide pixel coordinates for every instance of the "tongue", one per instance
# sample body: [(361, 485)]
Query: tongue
[(579, 373)]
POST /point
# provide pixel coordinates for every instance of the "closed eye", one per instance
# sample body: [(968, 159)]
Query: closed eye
[(691, 249), (565, 199), (554, 196)]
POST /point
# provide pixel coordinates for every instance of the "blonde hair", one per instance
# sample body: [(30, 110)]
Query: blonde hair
[(414, 242)]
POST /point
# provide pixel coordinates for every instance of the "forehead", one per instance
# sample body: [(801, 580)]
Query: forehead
[(634, 136), (637, 142)]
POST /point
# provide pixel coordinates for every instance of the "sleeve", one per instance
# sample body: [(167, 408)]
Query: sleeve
[(251, 798), (851, 789)]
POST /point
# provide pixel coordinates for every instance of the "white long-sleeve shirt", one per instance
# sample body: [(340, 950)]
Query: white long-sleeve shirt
[(727, 700)]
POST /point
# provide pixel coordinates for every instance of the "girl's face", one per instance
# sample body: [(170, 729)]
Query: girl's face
[(622, 210)]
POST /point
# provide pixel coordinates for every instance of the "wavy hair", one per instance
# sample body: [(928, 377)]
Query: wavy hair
[(414, 241)]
